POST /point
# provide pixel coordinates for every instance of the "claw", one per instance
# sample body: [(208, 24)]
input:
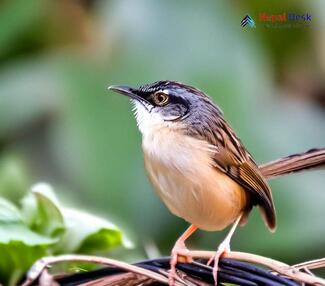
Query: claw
[(223, 248), (179, 254)]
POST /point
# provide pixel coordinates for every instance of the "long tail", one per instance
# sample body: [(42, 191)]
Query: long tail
[(314, 158)]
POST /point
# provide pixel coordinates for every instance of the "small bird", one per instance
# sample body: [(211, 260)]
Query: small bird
[(197, 164)]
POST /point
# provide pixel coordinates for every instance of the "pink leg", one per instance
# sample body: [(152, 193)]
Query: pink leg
[(180, 253), (223, 248)]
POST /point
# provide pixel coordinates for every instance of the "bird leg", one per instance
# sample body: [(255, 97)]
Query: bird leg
[(223, 248), (180, 253)]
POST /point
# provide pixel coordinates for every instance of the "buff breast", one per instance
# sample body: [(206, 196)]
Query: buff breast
[(183, 174)]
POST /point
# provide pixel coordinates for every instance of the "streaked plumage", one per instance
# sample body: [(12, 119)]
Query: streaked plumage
[(199, 167), (200, 147)]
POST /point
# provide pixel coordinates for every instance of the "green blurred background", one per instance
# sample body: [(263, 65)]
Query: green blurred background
[(59, 124)]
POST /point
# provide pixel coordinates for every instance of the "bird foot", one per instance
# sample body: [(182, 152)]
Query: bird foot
[(179, 254), (223, 248)]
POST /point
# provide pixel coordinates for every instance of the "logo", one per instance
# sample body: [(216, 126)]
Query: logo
[(285, 20), (248, 21), (282, 20), (284, 17)]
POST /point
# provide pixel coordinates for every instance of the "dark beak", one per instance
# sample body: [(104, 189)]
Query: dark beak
[(125, 90), (131, 93)]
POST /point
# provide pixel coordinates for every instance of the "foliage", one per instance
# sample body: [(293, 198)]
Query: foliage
[(40, 226)]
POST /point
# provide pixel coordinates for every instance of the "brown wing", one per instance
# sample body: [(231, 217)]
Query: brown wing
[(233, 159)]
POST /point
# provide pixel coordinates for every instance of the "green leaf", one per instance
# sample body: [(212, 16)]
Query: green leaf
[(12, 227), (9, 212), (16, 258), (19, 246), (19, 232), (87, 234), (41, 211), (44, 228)]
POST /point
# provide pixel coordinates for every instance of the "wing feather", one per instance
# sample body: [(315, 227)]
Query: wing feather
[(233, 159)]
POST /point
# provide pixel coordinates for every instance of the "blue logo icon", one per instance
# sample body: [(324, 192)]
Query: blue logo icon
[(248, 21)]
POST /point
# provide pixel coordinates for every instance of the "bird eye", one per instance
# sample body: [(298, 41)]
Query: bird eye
[(160, 98)]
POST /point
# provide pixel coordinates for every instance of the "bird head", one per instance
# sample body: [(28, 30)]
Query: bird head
[(167, 102)]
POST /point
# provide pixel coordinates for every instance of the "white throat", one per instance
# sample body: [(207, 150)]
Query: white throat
[(146, 121)]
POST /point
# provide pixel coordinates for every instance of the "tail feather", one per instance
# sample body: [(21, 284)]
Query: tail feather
[(269, 218), (312, 159)]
